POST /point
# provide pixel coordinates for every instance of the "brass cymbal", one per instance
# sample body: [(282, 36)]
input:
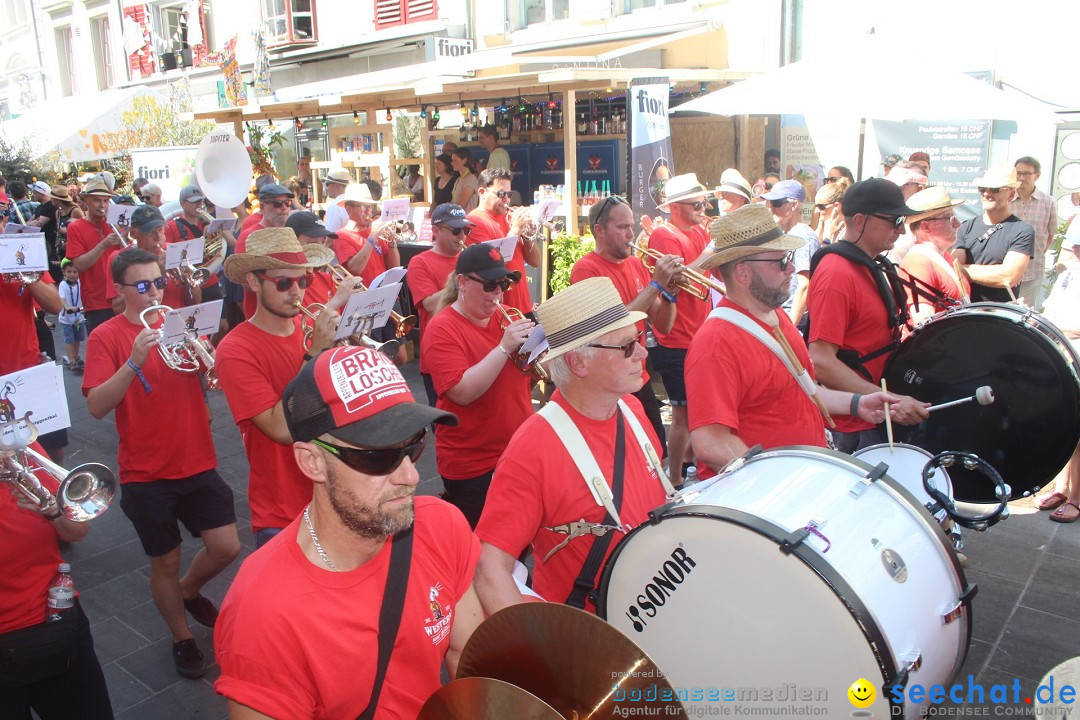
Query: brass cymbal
[(570, 659), (484, 699)]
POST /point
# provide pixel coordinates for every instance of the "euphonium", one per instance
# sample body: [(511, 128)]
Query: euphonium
[(360, 338), (520, 359), (402, 325), (176, 355)]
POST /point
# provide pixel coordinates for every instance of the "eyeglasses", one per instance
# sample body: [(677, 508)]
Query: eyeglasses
[(609, 202), (942, 218), (628, 349), (503, 284), (459, 231), (696, 205), (782, 262), (780, 202), (277, 203), (833, 178), (823, 206), (991, 191), (503, 194), (1025, 173), (143, 286), (282, 284), (382, 461), (896, 221)]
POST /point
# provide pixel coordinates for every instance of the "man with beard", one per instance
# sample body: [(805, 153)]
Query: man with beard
[(89, 242), (299, 632), (744, 394), (275, 204)]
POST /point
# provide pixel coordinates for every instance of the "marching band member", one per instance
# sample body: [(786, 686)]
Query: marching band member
[(275, 204), (474, 378), (322, 591), (309, 230), (757, 401), (190, 226), (89, 243), (540, 495), (612, 223), (493, 219), (258, 358), (165, 481), (362, 248), (930, 260), (429, 271), (146, 230)]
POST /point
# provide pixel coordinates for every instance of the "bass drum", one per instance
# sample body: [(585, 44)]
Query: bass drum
[(1030, 430), (787, 579)]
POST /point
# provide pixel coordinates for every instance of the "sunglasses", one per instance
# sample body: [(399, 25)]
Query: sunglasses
[(378, 462), (282, 284), (609, 202), (278, 203), (503, 284), (992, 191), (143, 286), (696, 205), (782, 262), (821, 206), (833, 178), (942, 218), (768, 186), (779, 203), (143, 198), (628, 349), (896, 221), (503, 194), (458, 231)]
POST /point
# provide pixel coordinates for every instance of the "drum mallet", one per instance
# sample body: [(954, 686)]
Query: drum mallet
[(984, 395)]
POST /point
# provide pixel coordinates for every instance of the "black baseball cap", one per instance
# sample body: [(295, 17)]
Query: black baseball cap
[(485, 261), (876, 196), (146, 218), (450, 215), (307, 223)]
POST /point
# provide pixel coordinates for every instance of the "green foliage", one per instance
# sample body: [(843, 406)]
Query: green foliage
[(17, 162), (565, 251), (264, 143), (151, 124), (407, 135)]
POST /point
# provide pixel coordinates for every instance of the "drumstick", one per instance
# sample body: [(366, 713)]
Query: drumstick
[(1011, 293), (960, 274), (888, 419), (793, 360)]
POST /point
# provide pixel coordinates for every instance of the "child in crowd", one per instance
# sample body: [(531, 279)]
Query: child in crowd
[(71, 317)]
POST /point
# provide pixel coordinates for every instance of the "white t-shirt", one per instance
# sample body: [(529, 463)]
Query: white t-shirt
[(336, 217)]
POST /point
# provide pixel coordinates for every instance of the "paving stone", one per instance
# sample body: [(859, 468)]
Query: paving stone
[(992, 604), (1056, 587), (124, 689), (114, 639), (116, 597), (1034, 642)]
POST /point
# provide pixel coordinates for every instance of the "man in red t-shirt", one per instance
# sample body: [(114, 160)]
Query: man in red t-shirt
[(539, 497), (364, 248), (930, 260), (319, 592), (612, 223), (310, 231), (492, 219), (275, 203), (744, 394), (686, 237), (147, 232), (847, 312), (165, 481), (89, 243), (189, 225), (429, 271), (258, 358)]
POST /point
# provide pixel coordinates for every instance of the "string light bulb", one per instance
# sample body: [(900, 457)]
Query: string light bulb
[(297, 124), (423, 111), (502, 108), (436, 115), (389, 116), (270, 125), (355, 118), (521, 104), (325, 122), (551, 102), (475, 109)]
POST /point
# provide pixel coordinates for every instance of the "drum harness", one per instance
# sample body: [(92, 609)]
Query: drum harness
[(609, 497)]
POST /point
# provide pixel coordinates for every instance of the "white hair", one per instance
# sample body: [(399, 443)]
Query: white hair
[(559, 368)]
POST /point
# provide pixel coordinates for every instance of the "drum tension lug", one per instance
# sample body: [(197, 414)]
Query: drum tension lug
[(968, 593), (908, 664), (798, 537), (871, 477)]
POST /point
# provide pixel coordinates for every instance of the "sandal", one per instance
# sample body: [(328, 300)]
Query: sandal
[(1051, 501), (1067, 513)]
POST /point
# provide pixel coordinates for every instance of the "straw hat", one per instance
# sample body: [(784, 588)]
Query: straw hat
[(998, 176), (581, 313), (61, 193), (931, 202), (275, 249), (683, 187), (732, 181), (750, 230), (97, 186)]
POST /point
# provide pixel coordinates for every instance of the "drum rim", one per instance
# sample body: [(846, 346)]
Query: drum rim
[(923, 451)]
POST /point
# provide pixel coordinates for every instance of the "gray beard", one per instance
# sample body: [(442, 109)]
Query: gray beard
[(770, 298), (364, 521)]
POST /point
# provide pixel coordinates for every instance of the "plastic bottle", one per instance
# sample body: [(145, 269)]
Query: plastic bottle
[(691, 476), (61, 598)]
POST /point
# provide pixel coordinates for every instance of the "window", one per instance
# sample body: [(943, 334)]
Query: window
[(389, 13), (522, 13), (102, 41), (65, 59), (186, 39), (14, 12), (290, 22)]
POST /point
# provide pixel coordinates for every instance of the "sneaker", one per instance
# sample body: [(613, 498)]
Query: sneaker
[(189, 659), (202, 610)]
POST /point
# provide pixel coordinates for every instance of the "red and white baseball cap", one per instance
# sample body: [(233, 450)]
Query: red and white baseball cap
[(357, 395)]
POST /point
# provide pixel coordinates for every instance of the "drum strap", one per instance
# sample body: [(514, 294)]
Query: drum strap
[(585, 584)]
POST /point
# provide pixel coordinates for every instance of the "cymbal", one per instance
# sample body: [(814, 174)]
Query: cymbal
[(572, 660), (484, 699)]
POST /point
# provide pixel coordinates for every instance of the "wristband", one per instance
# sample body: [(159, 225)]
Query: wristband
[(663, 292), (55, 516), (504, 350), (139, 374), (855, 404)]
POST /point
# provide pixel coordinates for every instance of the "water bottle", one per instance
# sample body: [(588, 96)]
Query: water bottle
[(61, 597), (691, 476)]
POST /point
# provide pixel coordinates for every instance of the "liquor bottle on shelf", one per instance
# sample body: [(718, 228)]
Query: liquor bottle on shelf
[(594, 124), (602, 123), (582, 124)]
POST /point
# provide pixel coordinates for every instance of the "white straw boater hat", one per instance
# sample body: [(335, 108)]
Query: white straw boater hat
[(747, 231), (581, 313), (275, 249), (931, 202), (683, 187), (732, 181), (997, 176)]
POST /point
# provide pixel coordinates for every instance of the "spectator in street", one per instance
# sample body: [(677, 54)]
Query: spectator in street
[(1034, 207)]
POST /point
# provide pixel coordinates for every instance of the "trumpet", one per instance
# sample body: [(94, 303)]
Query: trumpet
[(187, 355), (359, 338), (402, 325), (84, 493), (520, 359), (696, 283)]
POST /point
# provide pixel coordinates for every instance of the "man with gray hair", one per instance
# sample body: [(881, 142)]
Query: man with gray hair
[(1037, 209)]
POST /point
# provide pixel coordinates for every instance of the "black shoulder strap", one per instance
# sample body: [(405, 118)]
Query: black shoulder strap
[(397, 580), (585, 584)]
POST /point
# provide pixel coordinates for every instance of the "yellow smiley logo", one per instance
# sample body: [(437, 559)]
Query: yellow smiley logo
[(861, 693)]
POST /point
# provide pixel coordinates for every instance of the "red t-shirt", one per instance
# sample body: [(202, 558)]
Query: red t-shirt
[(254, 367), (537, 485), (846, 310), (919, 263), (295, 640), (321, 289), (350, 242), (691, 312), (251, 221), (427, 276), (175, 231), (28, 562), (485, 425), (489, 226), (84, 236), (145, 454), (740, 383), (19, 349), (173, 295)]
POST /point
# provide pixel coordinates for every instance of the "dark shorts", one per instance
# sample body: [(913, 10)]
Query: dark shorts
[(669, 363), (201, 502), (74, 333)]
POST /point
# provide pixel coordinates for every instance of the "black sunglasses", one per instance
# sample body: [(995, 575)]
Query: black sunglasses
[(459, 231), (143, 286), (992, 191), (378, 462), (698, 205), (278, 203), (820, 206), (782, 262), (896, 221), (831, 179), (779, 202), (628, 349), (609, 202), (503, 194), (282, 284), (503, 284)]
